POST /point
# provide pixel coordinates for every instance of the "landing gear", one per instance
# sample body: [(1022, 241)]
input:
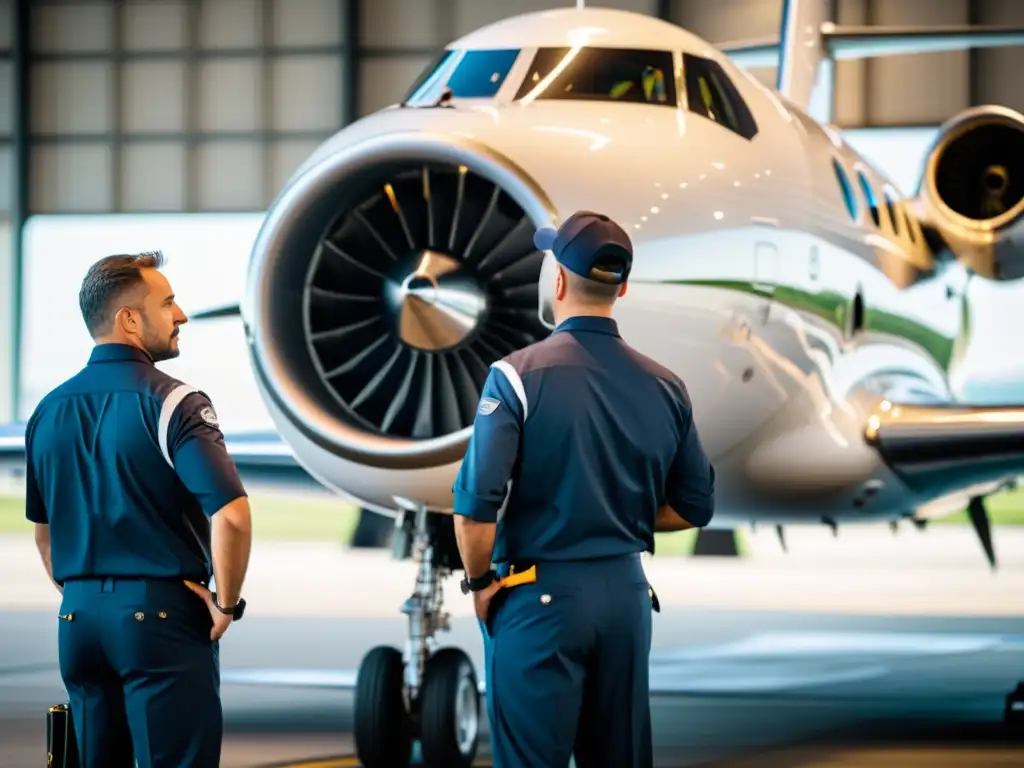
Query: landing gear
[(383, 728), (426, 693), (449, 706), (1013, 715)]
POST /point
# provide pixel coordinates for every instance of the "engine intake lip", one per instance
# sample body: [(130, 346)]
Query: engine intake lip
[(967, 121), (296, 223)]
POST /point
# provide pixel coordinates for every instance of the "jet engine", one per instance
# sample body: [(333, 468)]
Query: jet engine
[(386, 279), (973, 190)]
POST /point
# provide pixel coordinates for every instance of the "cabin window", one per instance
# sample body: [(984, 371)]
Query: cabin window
[(601, 74), (910, 226), (473, 75), (869, 197), (893, 217), (711, 94), (844, 188)]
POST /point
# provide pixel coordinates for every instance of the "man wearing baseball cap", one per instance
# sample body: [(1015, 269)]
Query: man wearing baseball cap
[(582, 449)]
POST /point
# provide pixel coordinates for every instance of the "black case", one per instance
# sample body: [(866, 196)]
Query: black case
[(61, 745)]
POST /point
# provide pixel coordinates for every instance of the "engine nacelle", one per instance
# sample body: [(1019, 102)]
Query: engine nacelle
[(385, 281), (973, 190)]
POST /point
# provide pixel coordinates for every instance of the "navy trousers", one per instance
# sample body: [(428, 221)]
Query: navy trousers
[(141, 673), (568, 667)]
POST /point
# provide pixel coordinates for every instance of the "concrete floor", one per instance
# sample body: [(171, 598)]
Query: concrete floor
[(869, 649)]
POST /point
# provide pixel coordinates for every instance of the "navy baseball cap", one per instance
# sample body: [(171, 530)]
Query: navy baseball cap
[(584, 239)]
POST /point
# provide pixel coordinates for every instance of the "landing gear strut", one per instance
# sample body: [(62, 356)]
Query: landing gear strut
[(427, 693)]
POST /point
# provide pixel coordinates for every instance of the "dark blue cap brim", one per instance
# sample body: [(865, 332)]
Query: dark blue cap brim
[(544, 238)]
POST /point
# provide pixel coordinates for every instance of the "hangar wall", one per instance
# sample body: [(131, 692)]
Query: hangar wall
[(208, 105), (202, 106), (9, 294)]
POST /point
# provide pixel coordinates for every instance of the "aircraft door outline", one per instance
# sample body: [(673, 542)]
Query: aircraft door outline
[(766, 266)]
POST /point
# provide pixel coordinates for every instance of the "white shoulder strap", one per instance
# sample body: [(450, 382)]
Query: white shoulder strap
[(170, 405), (512, 375)]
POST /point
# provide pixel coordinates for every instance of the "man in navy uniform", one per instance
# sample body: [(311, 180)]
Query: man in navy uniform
[(127, 481), (582, 449)]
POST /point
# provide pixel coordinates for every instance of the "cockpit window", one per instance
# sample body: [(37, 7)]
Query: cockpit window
[(428, 77), (710, 93), (469, 75), (480, 73), (601, 74)]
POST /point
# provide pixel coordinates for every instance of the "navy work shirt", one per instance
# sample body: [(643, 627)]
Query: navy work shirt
[(578, 441), (127, 465)]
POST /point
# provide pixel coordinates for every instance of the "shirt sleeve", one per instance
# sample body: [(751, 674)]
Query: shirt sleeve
[(201, 459), (35, 506), (691, 478), (483, 479)]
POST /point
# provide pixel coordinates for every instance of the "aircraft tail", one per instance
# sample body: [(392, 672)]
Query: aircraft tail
[(807, 38), (801, 49)]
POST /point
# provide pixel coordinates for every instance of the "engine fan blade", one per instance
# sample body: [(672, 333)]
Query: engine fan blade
[(414, 291)]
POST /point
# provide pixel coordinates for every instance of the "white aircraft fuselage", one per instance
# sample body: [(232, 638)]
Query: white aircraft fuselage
[(818, 319), (789, 319)]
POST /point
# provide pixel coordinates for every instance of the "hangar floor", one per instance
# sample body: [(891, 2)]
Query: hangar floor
[(866, 650)]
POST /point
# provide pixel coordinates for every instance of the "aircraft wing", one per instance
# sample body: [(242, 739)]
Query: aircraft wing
[(263, 459), (946, 448), (940, 449)]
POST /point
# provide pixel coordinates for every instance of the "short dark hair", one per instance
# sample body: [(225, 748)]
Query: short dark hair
[(604, 283), (107, 281)]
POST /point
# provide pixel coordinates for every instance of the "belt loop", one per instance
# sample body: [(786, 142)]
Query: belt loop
[(107, 586)]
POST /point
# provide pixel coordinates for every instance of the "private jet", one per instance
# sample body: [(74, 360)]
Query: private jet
[(817, 316)]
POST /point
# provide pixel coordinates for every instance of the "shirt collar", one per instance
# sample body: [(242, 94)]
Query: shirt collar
[(590, 323), (111, 353)]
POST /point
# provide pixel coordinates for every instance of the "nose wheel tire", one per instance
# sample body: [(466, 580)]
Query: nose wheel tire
[(383, 728), (449, 710)]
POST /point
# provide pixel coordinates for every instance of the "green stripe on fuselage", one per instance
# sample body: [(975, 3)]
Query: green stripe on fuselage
[(833, 308)]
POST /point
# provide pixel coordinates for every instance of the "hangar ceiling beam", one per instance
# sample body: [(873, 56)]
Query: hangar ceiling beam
[(352, 61), (268, 86), (116, 99), (974, 17), (191, 105), (21, 113)]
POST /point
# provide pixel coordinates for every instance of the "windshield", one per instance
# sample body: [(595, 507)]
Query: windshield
[(430, 73), (601, 74), (469, 75)]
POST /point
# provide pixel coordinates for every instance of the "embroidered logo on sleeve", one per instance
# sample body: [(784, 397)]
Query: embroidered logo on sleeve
[(488, 405), (209, 415)]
